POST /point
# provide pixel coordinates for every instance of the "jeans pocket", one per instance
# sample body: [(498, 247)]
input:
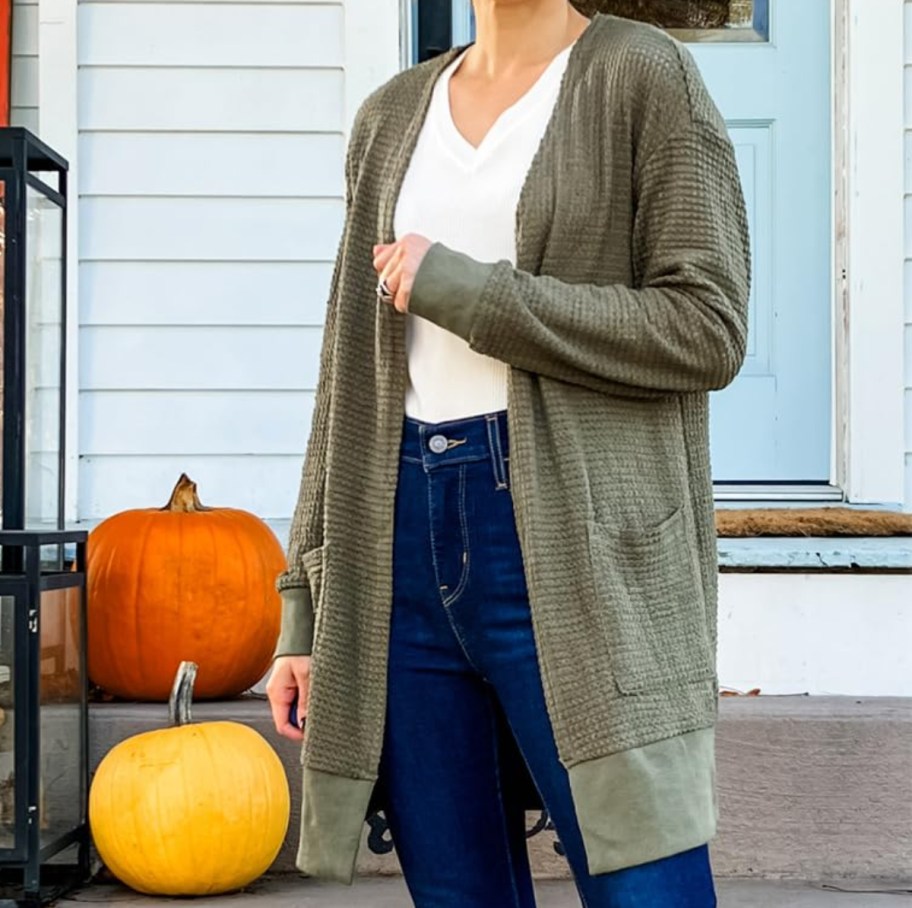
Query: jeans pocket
[(651, 603)]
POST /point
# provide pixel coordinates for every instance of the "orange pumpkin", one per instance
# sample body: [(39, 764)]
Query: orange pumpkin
[(182, 583)]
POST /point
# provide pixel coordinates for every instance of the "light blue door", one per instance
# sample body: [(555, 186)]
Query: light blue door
[(774, 423), (769, 72)]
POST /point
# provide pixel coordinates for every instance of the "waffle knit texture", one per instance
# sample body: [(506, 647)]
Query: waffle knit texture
[(626, 306)]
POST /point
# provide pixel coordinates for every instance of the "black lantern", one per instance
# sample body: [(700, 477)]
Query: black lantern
[(33, 186), (44, 837), (44, 834)]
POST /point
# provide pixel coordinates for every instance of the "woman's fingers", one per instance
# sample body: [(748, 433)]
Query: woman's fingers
[(391, 267), (383, 253), (392, 273), (280, 718), (397, 263), (302, 678), (290, 678), (404, 282)]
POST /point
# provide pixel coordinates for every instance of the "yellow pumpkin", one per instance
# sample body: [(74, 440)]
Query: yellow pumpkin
[(182, 582), (194, 809)]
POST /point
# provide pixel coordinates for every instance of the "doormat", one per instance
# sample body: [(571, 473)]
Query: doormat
[(811, 522)]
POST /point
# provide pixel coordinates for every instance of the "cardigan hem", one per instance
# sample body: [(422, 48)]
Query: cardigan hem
[(634, 806), (647, 803), (333, 811)]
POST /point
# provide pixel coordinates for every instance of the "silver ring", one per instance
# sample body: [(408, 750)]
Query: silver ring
[(384, 294)]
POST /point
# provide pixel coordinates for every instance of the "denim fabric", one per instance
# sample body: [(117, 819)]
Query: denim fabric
[(463, 672)]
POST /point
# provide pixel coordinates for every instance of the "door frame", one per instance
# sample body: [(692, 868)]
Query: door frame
[(869, 380)]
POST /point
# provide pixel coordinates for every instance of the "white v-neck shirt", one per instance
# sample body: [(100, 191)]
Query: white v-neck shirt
[(466, 197)]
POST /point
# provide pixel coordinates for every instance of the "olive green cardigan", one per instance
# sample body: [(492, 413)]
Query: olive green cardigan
[(627, 305)]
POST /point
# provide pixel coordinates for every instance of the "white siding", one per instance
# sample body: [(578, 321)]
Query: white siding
[(908, 263), (24, 76), (210, 197)]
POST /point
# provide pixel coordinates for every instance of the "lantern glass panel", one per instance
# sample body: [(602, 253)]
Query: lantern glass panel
[(52, 558), (44, 313), (2, 318), (60, 789), (7, 723)]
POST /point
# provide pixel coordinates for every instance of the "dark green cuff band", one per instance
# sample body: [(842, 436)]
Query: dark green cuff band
[(448, 287), (296, 635)]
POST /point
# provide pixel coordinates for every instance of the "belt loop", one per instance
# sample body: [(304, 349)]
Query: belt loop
[(497, 460), (502, 433)]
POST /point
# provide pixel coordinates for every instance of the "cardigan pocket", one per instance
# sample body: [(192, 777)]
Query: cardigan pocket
[(313, 561), (651, 604)]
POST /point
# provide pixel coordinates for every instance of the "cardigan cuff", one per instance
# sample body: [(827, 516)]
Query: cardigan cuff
[(296, 635), (448, 288)]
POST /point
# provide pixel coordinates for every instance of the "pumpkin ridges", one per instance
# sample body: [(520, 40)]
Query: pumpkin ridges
[(135, 669), (102, 803), (182, 819), (114, 633), (202, 589), (237, 556), (259, 624), (241, 521), (168, 847), (164, 844)]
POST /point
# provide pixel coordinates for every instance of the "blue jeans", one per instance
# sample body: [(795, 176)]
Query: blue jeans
[(462, 669)]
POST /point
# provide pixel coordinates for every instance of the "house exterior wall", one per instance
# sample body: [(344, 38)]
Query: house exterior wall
[(907, 81), (816, 633), (24, 75), (211, 143)]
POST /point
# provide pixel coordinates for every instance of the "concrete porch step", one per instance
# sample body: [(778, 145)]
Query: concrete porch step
[(810, 788), (290, 891)]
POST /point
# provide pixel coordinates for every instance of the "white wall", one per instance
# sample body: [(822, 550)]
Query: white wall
[(24, 75), (908, 264), (815, 633), (211, 142)]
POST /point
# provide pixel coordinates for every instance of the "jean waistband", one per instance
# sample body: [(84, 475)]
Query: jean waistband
[(455, 441)]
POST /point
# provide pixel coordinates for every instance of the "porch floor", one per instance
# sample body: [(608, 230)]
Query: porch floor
[(292, 891)]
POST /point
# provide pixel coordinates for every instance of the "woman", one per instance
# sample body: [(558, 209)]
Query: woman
[(502, 564)]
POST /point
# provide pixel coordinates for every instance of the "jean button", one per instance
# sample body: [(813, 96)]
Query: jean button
[(438, 443)]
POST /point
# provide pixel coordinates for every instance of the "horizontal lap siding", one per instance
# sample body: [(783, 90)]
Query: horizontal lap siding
[(211, 201), (24, 75), (908, 263)]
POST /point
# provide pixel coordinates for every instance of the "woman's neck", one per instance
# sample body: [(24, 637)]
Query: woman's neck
[(513, 35)]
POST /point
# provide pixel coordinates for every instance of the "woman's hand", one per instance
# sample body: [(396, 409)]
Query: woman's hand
[(397, 263), (290, 676)]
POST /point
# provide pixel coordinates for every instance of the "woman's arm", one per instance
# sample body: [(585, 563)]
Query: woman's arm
[(684, 327)]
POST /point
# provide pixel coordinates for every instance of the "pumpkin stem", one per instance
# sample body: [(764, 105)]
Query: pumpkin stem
[(182, 694), (184, 498)]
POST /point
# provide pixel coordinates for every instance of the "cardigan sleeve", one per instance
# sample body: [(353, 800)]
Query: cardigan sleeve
[(306, 533), (683, 328)]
